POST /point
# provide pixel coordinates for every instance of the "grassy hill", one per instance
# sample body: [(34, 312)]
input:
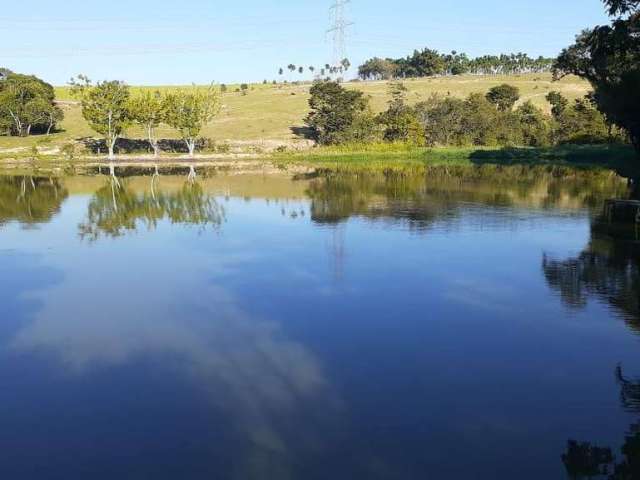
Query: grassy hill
[(263, 118)]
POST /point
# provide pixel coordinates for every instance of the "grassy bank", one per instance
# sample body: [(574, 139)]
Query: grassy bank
[(384, 156), (370, 157)]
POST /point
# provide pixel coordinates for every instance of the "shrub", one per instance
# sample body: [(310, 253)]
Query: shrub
[(339, 115)]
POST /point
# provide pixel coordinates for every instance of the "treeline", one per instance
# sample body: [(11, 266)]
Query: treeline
[(110, 109), (428, 63), (27, 105), (339, 115)]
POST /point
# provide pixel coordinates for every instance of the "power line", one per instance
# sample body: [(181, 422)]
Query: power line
[(339, 26)]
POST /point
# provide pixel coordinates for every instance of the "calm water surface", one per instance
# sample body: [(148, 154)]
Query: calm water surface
[(250, 327)]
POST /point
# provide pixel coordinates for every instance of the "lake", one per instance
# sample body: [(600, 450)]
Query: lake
[(339, 326)]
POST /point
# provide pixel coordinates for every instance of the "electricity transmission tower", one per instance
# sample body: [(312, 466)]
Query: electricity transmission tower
[(339, 26)]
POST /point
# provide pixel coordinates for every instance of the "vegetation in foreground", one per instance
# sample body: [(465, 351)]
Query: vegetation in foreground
[(398, 156)]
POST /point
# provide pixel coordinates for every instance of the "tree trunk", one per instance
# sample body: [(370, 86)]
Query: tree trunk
[(112, 145), (153, 142), (191, 145)]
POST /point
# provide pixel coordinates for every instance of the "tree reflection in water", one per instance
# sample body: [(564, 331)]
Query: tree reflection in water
[(29, 199), (608, 270), (587, 460), (116, 209), (418, 201)]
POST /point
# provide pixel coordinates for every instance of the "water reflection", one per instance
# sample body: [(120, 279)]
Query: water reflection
[(418, 201), (116, 208), (267, 375), (586, 460), (30, 199), (260, 382), (608, 270)]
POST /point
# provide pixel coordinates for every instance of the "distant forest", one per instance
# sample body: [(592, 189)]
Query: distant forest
[(428, 63)]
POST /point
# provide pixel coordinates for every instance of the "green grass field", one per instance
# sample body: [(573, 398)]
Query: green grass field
[(262, 119)]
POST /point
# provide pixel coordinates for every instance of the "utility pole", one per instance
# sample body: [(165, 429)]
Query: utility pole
[(339, 26)]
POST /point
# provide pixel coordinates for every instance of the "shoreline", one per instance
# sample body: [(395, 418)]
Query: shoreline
[(377, 157)]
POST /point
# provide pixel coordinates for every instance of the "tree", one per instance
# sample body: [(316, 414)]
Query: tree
[(621, 7), (148, 111), (105, 106), (582, 123), (281, 72), (377, 69), (189, 111), (443, 120), (558, 104), (339, 115), (504, 96), (244, 88), (424, 63), (430, 62), (4, 73), (400, 120), (27, 105), (533, 124), (609, 58)]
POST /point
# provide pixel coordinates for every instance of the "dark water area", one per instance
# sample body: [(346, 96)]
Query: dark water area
[(344, 326)]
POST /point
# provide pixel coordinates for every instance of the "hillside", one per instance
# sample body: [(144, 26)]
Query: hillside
[(264, 117)]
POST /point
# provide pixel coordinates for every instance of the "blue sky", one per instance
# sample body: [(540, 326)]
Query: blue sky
[(158, 42)]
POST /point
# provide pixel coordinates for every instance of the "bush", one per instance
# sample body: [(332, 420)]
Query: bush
[(339, 115), (400, 121)]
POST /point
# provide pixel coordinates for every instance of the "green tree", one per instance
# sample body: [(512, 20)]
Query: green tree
[(443, 120), (400, 120), (377, 69), (558, 104), (482, 121), (582, 123), (504, 96), (189, 111), (339, 115), (536, 131), (105, 106), (609, 58), (27, 105), (148, 110)]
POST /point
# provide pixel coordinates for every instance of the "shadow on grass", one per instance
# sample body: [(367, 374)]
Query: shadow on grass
[(127, 145), (303, 132), (621, 158)]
